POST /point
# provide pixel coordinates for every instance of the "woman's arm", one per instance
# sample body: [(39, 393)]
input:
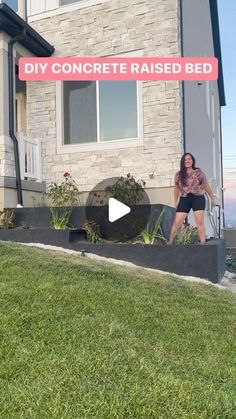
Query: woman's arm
[(176, 195), (210, 193)]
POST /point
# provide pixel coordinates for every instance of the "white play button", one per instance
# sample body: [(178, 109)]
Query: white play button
[(117, 210)]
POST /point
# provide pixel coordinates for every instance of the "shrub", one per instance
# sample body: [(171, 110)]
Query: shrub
[(96, 199), (127, 190), (64, 194)]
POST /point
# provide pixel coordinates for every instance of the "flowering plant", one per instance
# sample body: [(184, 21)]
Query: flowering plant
[(64, 194), (127, 190)]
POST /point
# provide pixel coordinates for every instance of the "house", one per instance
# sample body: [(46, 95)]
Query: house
[(97, 130)]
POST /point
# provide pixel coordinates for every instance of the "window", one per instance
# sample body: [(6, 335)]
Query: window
[(14, 4), (99, 111), (64, 2)]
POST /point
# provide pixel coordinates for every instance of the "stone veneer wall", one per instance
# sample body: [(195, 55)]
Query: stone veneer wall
[(7, 161), (110, 28)]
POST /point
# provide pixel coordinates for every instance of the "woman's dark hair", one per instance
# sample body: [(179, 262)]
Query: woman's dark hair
[(183, 171)]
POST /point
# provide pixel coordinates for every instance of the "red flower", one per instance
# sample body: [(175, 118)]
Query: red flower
[(66, 174)]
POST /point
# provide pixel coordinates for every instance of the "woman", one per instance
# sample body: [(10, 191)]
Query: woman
[(190, 187)]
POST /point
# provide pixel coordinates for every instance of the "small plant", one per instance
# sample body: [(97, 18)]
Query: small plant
[(231, 261), (93, 231), (187, 235), (127, 190), (64, 194), (7, 218), (60, 218), (151, 234), (25, 225)]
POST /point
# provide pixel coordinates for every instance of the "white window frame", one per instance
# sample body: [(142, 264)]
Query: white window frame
[(79, 4), (57, 9), (99, 145), (69, 4)]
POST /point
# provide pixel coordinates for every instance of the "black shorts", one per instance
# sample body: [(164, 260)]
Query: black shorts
[(196, 202)]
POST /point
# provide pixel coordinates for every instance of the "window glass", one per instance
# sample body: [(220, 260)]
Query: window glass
[(118, 110), (113, 106), (64, 2), (12, 3), (80, 116)]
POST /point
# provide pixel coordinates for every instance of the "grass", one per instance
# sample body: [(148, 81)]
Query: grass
[(81, 339)]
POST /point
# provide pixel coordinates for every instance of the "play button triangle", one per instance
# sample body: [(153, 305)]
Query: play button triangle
[(117, 210)]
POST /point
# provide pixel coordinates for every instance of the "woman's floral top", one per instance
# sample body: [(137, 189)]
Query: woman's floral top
[(194, 183)]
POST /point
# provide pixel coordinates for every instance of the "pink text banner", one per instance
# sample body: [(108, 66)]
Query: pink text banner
[(118, 68)]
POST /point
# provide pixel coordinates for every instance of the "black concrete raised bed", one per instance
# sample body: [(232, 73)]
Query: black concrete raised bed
[(205, 261), (125, 228), (53, 237)]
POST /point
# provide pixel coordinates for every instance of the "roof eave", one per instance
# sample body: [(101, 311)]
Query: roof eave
[(13, 24)]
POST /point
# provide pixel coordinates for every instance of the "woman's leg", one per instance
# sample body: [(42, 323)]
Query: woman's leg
[(179, 219), (199, 218)]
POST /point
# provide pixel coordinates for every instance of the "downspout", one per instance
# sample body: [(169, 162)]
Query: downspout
[(181, 26), (26, 14), (11, 73)]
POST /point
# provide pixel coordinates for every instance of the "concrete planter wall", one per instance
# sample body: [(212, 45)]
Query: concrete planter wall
[(205, 261), (230, 237), (127, 227), (61, 238)]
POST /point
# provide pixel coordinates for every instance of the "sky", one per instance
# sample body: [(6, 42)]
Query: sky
[(227, 19)]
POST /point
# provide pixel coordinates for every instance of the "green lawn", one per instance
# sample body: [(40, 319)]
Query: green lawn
[(81, 339)]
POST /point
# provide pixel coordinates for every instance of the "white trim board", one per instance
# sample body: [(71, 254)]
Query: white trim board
[(49, 8)]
